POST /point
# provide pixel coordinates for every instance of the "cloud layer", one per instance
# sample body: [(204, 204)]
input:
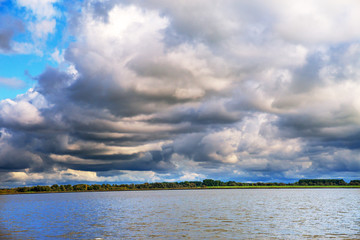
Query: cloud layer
[(157, 90)]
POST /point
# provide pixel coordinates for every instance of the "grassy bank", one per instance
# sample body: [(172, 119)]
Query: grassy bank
[(205, 184)]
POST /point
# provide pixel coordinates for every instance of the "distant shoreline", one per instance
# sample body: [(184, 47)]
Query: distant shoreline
[(186, 185), (12, 192)]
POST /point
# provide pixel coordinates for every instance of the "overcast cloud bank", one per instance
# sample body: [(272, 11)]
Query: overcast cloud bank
[(163, 91)]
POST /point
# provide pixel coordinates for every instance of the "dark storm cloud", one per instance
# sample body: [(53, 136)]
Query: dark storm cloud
[(210, 112)]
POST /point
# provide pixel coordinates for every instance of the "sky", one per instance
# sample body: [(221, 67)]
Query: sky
[(124, 91)]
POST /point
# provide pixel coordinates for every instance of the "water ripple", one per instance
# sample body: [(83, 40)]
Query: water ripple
[(211, 214)]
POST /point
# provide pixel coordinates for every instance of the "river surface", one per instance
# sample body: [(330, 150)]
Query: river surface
[(184, 214)]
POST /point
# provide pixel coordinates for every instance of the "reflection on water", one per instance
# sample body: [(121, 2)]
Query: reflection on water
[(184, 214)]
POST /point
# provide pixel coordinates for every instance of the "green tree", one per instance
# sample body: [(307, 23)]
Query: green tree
[(80, 187), (208, 182), (354, 182)]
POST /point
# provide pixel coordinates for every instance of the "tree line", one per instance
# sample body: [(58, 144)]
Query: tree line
[(179, 185)]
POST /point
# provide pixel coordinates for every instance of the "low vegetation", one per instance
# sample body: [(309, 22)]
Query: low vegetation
[(205, 184)]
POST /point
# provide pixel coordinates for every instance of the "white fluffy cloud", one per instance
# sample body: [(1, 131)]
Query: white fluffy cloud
[(22, 113), (41, 22), (41, 8)]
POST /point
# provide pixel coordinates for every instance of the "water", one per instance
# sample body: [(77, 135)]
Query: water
[(186, 214)]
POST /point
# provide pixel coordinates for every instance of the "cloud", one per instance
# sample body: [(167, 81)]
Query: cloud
[(42, 28), (19, 113), (42, 9), (9, 27), (57, 56), (12, 82), (314, 22), (41, 21), (34, 20), (158, 91)]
